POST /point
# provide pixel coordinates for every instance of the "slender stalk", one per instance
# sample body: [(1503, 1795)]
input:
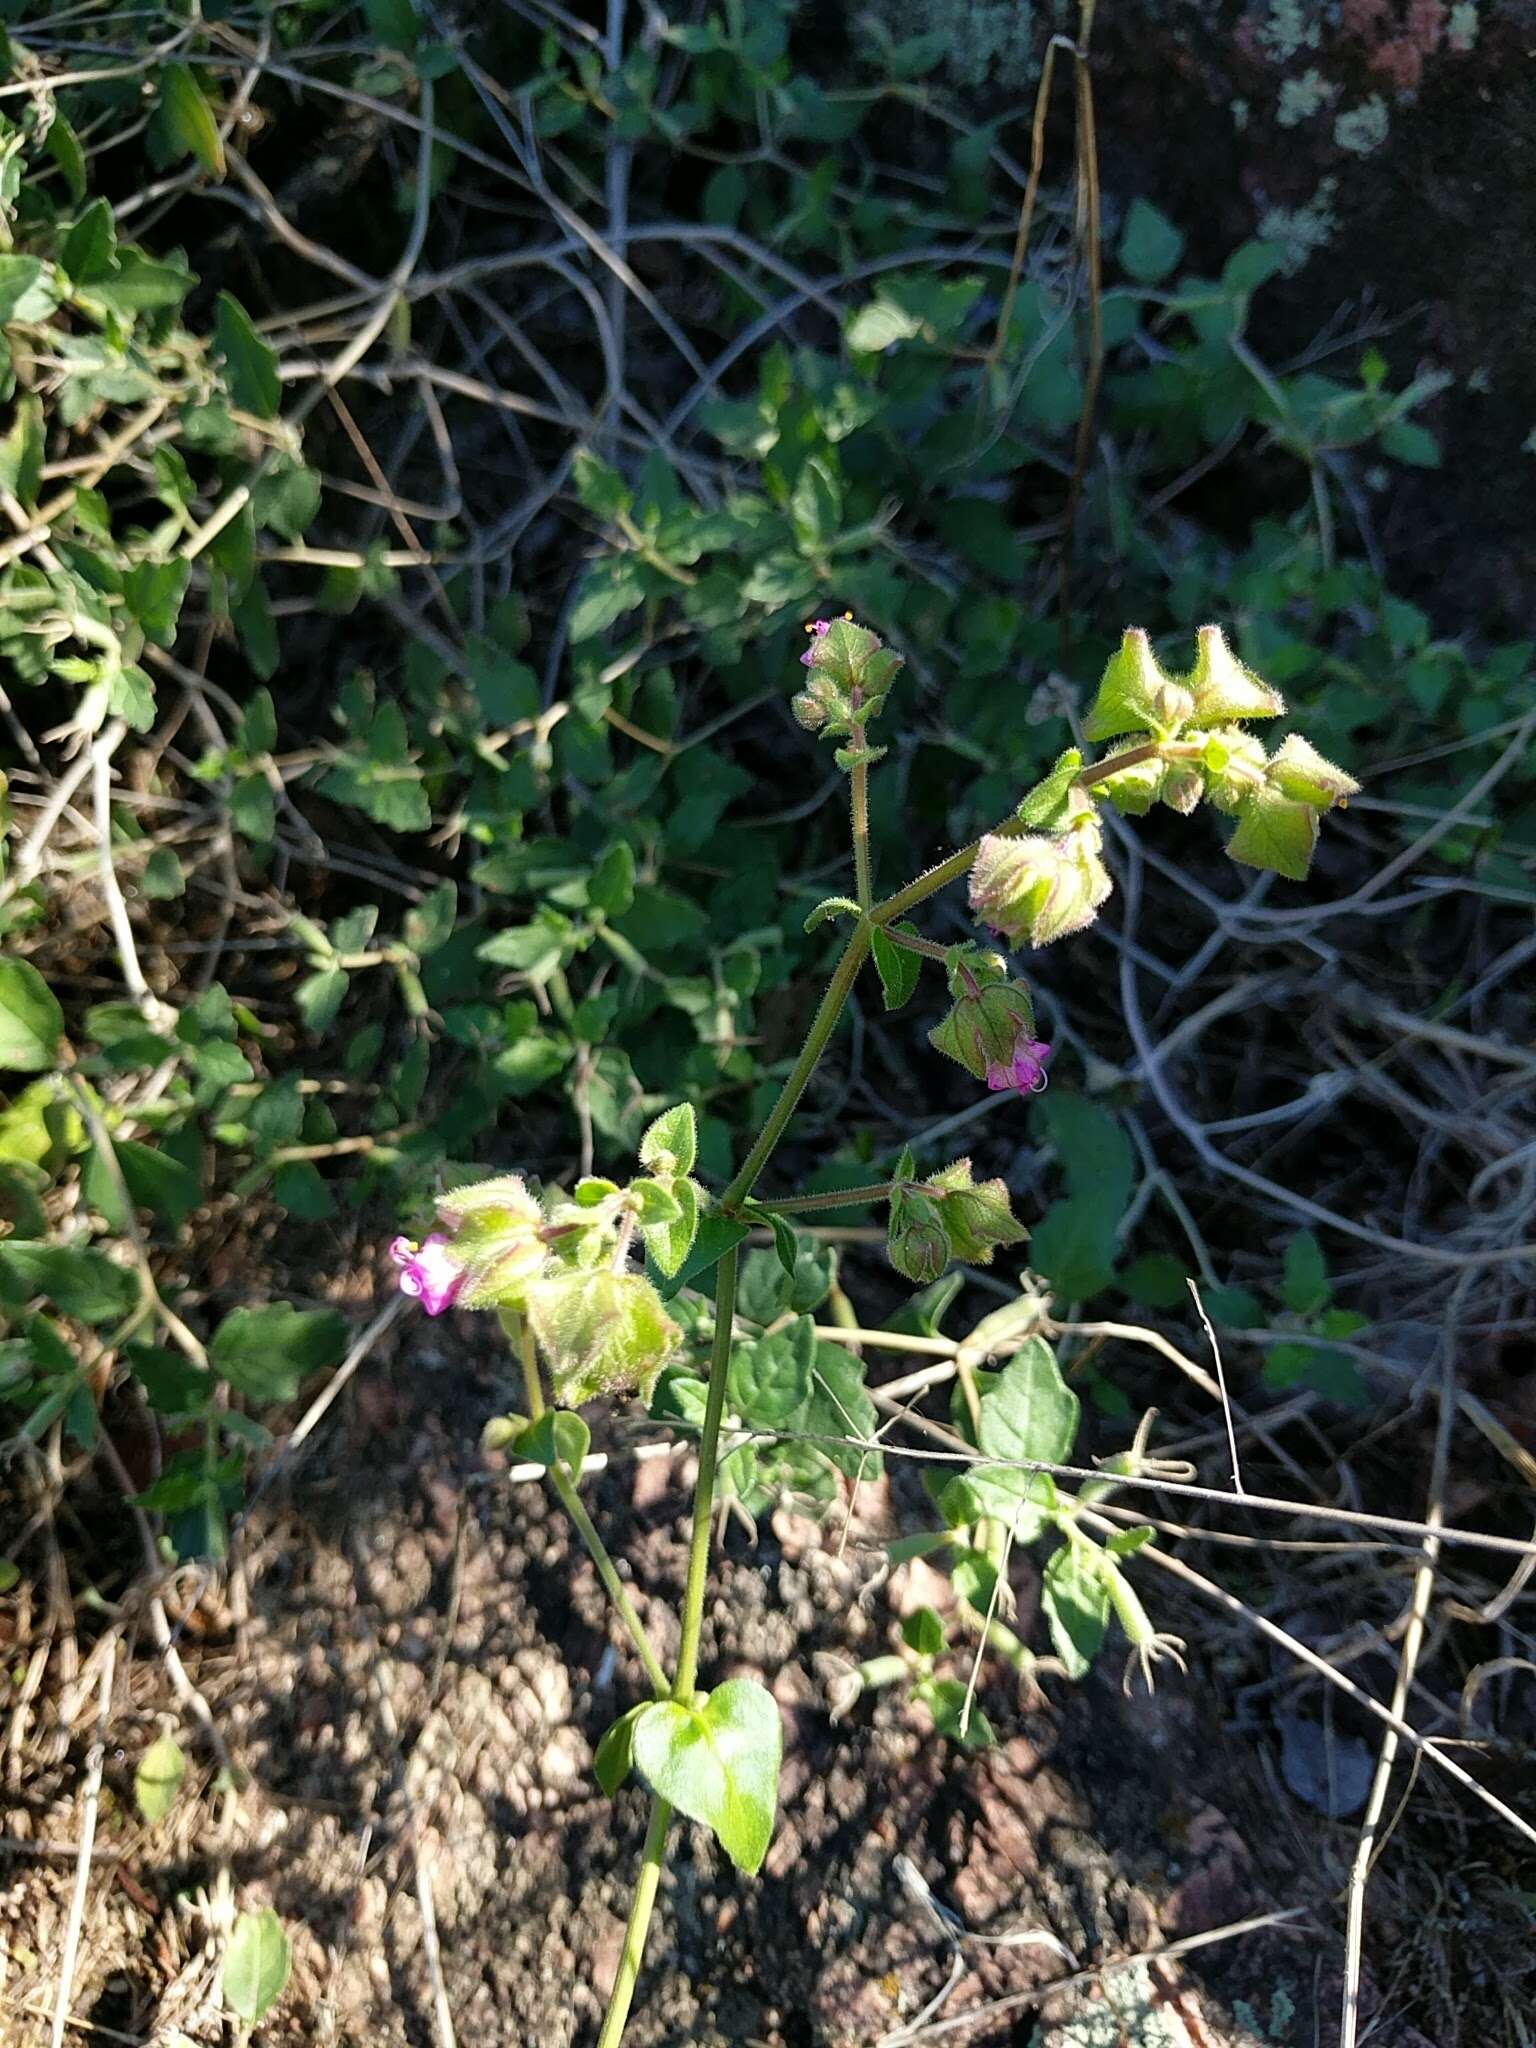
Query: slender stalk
[(585, 1527), (858, 790), (640, 1908), (704, 1487), (822, 1025), (954, 865), (911, 943), (836, 1198)]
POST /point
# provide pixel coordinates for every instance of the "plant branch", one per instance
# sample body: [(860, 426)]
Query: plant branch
[(575, 1507)]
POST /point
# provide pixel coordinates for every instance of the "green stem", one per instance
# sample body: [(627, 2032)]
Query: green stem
[(651, 1861), (822, 1025), (586, 1529), (687, 1653), (929, 948), (858, 788), (704, 1486), (956, 864), (839, 1198)]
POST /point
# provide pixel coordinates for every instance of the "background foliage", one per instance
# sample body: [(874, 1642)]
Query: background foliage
[(428, 434)]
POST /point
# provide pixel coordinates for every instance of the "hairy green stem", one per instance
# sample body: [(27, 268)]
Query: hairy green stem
[(858, 791), (704, 1486), (822, 1025), (836, 1198), (585, 1527), (640, 1908)]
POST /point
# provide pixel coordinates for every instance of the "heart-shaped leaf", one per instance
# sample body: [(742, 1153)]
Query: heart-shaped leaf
[(718, 1763)]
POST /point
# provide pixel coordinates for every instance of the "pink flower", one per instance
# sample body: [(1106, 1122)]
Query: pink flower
[(818, 630), (1025, 1069), (428, 1273)]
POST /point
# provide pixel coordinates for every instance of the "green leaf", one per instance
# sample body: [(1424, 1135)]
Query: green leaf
[(158, 1779), (250, 365), (831, 906), (669, 1241), (268, 1352), (22, 451), (615, 1757), (27, 290), (1156, 1281), (138, 284), (653, 1202), (599, 487), (955, 1715), (1075, 1594), (63, 145), (318, 998), (395, 23), (557, 1438), (1235, 1308), (786, 1249), (163, 880), (880, 325), (155, 1181), (188, 119), (671, 1144), (612, 887), (923, 1633), (718, 1764), (153, 592), (898, 967), (31, 1020), (1150, 245), (286, 498), (1305, 1286), (87, 250), (840, 1406), (78, 1280), (255, 1965), (172, 1384), (1041, 806), (717, 1235), (1274, 833), (770, 1377), (1029, 1411)]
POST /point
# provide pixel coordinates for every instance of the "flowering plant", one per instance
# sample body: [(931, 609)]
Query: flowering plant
[(584, 1319)]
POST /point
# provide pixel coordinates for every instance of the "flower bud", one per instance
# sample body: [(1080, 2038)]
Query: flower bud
[(600, 1332), (1233, 763), (1172, 704), (1182, 787), (918, 1246), (1040, 888), (1024, 1069), (976, 1216), (985, 1025), (851, 673), (494, 1233)]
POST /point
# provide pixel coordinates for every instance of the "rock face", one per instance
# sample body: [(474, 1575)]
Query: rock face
[(1390, 145)]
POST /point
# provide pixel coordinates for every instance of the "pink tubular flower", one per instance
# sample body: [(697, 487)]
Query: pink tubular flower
[(818, 630), (1025, 1069), (428, 1273)]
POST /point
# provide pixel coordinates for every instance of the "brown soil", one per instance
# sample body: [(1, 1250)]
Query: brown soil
[(404, 1677)]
